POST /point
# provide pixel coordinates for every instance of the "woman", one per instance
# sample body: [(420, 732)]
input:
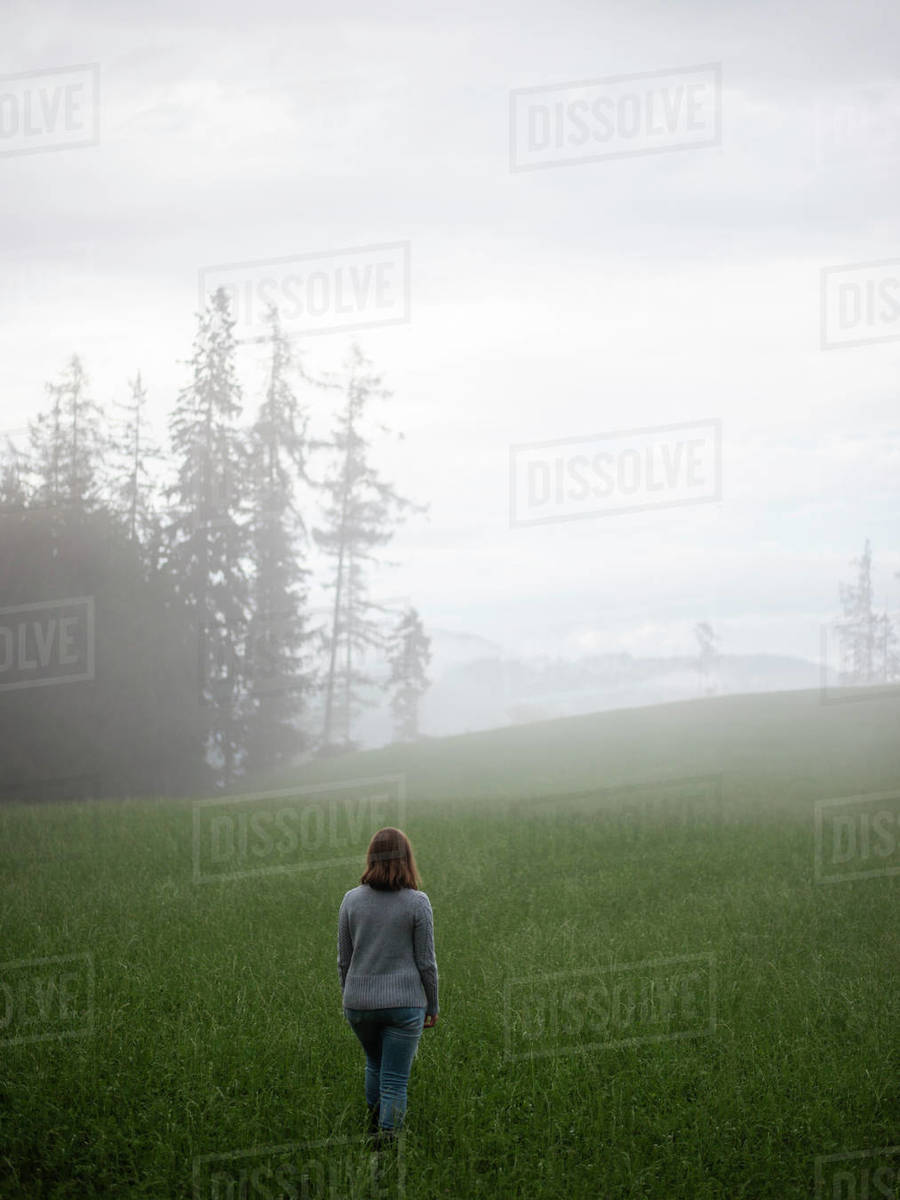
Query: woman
[(388, 972)]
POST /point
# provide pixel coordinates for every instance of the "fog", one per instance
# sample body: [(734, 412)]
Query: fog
[(449, 477), (696, 273)]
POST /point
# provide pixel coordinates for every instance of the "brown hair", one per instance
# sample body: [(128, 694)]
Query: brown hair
[(390, 863)]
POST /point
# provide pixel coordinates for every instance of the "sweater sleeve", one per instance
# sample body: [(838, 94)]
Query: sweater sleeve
[(423, 951), (344, 944)]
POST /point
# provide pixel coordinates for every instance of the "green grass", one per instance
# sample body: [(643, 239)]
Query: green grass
[(216, 1023)]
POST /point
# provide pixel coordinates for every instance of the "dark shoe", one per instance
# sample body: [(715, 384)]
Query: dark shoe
[(385, 1139), (372, 1123)]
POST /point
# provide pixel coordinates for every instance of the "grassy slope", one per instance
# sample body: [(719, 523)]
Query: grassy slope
[(842, 747), (217, 1025)]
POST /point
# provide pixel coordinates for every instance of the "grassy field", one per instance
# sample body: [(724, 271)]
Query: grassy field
[(655, 982)]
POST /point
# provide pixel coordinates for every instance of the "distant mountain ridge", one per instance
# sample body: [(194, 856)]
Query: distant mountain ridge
[(491, 691), (476, 686)]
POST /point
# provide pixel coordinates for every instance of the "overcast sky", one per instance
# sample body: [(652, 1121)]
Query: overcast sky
[(567, 302)]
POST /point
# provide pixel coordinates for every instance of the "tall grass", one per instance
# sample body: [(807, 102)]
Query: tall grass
[(216, 1025)]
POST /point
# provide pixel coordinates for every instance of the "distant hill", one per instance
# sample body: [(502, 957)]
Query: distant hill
[(475, 686), (491, 691), (781, 748)]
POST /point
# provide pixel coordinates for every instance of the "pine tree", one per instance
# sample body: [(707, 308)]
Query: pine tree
[(708, 656), (136, 727), (409, 656), (132, 488), (207, 537), (887, 650), (891, 648), (858, 631), (360, 514), (279, 669), (13, 484), (68, 445)]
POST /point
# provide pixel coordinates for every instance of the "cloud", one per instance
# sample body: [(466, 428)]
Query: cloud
[(554, 304)]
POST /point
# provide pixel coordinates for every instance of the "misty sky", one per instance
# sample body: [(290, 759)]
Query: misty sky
[(547, 304)]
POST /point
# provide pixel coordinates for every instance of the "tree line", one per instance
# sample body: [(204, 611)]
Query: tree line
[(211, 663), (867, 639), (868, 643)]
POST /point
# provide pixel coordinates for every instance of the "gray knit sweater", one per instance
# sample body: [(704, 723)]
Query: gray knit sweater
[(386, 950)]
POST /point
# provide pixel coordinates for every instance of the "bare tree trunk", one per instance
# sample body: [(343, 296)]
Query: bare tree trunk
[(335, 620)]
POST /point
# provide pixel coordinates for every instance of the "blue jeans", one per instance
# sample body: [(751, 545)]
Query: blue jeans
[(390, 1038)]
